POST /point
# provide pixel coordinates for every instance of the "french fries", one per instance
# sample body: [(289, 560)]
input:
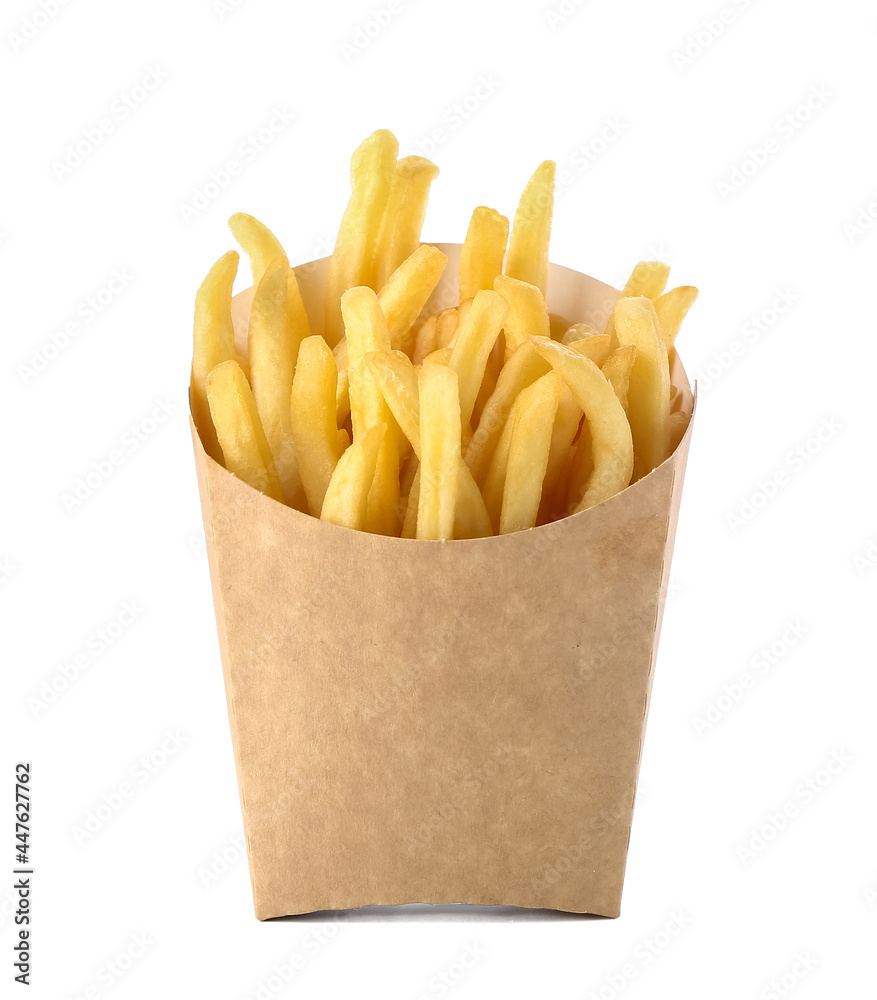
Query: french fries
[(347, 496), (404, 295), (367, 332), (648, 406), (527, 258), (244, 446), (440, 436), (529, 446), (313, 419), (490, 416), (611, 441), (527, 313), (273, 345), (483, 252), (403, 216), (475, 339), (214, 341), (354, 259)]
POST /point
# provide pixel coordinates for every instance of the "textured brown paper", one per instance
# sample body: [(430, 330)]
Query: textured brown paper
[(440, 722)]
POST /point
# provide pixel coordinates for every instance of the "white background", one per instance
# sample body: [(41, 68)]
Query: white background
[(561, 79)]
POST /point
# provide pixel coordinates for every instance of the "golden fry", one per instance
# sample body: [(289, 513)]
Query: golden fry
[(595, 348), (566, 426), (214, 342), (447, 323), (424, 340), (475, 339), (405, 293), (440, 432), (483, 251), (257, 241), (527, 258), (617, 369), (648, 278), (318, 446), (527, 315), (648, 405), (529, 447), (342, 395), (347, 496), (440, 356), (403, 217), (273, 345), (353, 262), (672, 308), (366, 331), (263, 248), (521, 370), (494, 481), (244, 446), (396, 379), (611, 441)]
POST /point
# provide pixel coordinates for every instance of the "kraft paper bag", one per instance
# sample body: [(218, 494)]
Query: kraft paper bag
[(440, 722)]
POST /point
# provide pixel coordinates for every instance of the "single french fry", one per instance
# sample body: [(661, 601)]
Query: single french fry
[(475, 339), (648, 405), (527, 315), (578, 331), (483, 251), (494, 482), (318, 445), (672, 308), (611, 440), (566, 426), (447, 324), (488, 382), (396, 379), (347, 496), (263, 248), (527, 258), (406, 291), (528, 454), (273, 345), (244, 447), (648, 278), (257, 241), (403, 217), (342, 393), (440, 433), (595, 348), (366, 330), (354, 258), (424, 341), (213, 342), (441, 356), (521, 370), (617, 369)]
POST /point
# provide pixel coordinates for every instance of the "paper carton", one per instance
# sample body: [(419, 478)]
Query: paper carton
[(440, 722)]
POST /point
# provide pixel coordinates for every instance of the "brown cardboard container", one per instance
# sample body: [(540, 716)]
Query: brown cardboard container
[(440, 722)]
